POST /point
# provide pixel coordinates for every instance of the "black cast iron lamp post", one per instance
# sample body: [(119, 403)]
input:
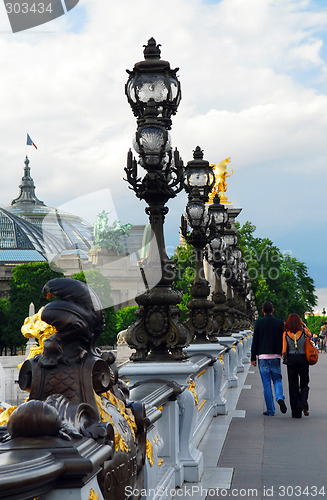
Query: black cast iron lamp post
[(196, 228), (153, 91), (216, 257), (230, 261)]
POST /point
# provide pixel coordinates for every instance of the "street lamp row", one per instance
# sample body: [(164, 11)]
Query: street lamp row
[(154, 93)]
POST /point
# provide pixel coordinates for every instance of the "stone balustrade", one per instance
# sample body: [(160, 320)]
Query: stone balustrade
[(181, 399)]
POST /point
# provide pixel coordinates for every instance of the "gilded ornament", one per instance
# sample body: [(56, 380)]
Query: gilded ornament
[(93, 495), (120, 443), (201, 405), (35, 327), (149, 452), (191, 388), (220, 186)]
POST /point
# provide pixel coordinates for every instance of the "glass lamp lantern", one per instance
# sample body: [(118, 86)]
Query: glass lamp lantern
[(196, 214), (230, 259), (218, 213), (152, 141), (216, 245), (230, 236), (199, 174), (153, 79), (237, 254), (230, 239)]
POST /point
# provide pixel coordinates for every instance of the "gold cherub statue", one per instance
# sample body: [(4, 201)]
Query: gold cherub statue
[(220, 186)]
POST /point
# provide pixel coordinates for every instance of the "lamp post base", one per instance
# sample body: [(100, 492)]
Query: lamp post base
[(158, 334)]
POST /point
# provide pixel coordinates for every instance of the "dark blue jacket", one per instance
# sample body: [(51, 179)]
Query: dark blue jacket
[(267, 336)]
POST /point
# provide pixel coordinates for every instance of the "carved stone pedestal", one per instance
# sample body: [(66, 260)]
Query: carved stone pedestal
[(230, 343), (217, 376), (178, 425)]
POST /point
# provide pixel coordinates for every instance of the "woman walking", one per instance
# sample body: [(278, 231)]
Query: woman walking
[(297, 364)]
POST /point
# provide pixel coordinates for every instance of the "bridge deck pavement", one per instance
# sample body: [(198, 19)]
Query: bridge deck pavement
[(249, 455)]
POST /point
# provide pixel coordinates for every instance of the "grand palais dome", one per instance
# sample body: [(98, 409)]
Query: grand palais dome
[(31, 231)]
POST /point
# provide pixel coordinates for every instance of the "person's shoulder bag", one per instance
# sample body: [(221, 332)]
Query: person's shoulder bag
[(311, 351)]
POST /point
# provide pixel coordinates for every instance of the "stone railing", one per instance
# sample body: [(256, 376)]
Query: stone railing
[(181, 399)]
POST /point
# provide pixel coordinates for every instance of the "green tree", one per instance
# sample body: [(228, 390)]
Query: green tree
[(184, 262), (4, 305), (101, 285), (25, 287), (125, 317), (276, 276), (314, 323)]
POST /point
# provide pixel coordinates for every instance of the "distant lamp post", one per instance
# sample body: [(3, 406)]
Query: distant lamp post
[(216, 257), (232, 254), (153, 92), (198, 230), (241, 290), (200, 175)]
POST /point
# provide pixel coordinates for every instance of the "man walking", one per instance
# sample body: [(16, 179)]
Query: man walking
[(267, 345)]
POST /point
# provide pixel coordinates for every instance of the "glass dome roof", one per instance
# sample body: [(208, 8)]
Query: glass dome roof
[(28, 224)]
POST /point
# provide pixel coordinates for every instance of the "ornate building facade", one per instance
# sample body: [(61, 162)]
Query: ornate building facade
[(31, 231)]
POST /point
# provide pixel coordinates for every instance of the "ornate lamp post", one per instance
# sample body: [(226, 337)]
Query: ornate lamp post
[(240, 288), (229, 269), (216, 256), (153, 91), (199, 180)]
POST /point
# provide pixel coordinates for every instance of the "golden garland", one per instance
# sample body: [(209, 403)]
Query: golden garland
[(221, 359), (191, 388), (149, 452), (106, 417)]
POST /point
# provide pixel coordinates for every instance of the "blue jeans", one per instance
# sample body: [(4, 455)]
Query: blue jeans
[(270, 371)]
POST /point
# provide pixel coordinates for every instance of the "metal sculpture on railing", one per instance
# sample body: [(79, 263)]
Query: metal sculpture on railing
[(74, 389)]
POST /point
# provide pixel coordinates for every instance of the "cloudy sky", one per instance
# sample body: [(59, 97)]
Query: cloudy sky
[(254, 85)]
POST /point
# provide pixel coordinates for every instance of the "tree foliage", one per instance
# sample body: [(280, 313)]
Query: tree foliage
[(314, 323), (125, 317), (25, 287), (184, 262), (276, 276), (4, 305)]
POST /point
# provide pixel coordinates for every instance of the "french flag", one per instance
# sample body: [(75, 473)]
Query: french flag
[(29, 142)]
